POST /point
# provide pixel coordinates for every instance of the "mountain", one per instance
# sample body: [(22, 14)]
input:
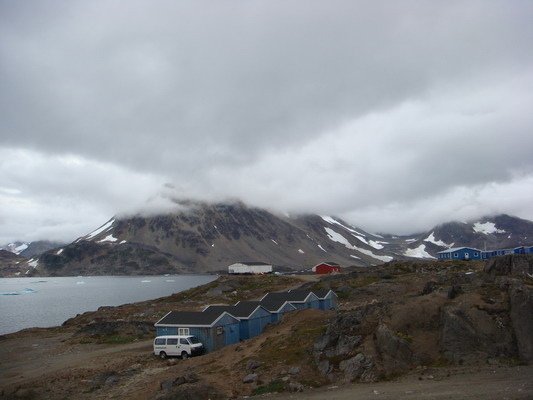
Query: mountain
[(31, 249), (494, 232), (208, 237)]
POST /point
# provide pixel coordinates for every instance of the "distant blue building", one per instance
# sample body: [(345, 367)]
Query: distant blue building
[(460, 253), (470, 253), (214, 329)]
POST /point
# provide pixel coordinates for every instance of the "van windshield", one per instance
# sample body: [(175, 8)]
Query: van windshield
[(194, 340)]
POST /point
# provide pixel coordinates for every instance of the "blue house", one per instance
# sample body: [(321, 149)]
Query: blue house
[(460, 253), (251, 315), (277, 308), (301, 299), (327, 298), (213, 328)]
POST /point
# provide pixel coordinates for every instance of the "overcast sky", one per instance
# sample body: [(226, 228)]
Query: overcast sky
[(395, 115)]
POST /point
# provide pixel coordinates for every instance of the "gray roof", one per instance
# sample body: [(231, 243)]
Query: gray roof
[(293, 295), (273, 305), (192, 318), (253, 263), (321, 293), (242, 309)]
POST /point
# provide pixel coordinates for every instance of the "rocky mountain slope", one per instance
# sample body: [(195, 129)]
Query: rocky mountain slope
[(208, 237)]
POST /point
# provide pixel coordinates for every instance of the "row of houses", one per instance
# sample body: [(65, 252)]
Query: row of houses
[(255, 267), (221, 325), (470, 253)]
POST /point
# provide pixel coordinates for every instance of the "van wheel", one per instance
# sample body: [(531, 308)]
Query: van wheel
[(184, 355), (162, 355)]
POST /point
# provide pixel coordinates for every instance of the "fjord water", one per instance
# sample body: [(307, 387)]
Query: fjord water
[(49, 301)]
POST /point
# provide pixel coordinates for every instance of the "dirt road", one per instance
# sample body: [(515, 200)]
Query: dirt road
[(492, 384), (27, 358)]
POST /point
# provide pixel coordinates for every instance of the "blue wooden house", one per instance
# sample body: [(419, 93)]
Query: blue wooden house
[(277, 308), (301, 299), (213, 328), (328, 299), (253, 318), (460, 253)]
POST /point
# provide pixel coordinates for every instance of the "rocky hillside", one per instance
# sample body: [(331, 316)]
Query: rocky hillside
[(427, 319), (11, 264), (208, 237)]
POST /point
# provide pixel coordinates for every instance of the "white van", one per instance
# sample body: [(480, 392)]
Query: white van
[(173, 345)]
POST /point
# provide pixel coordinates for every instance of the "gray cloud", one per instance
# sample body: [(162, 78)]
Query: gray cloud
[(344, 108)]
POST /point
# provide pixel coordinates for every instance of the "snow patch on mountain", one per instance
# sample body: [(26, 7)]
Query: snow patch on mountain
[(16, 247), (59, 252), (33, 263), (376, 256), (410, 240), (21, 248), (337, 237), (103, 228), (108, 238), (431, 239), (321, 248), (487, 228), (331, 220), (351, 255), (301, 251), (418, 252)]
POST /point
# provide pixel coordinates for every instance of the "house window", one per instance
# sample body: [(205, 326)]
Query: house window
[(183, 331), (220, 330), (455, 255), (476, 254)]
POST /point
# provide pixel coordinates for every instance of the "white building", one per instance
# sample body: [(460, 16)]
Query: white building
[(250, 268)]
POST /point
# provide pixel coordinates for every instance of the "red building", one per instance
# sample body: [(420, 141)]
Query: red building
[(327, 268)]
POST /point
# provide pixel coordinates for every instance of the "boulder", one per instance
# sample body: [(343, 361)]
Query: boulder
[(454, 291), (252, 364), (521, 299), (294, 370), (296, 387), (429, 287), (510, 265), (346, 344), (352, 368), (469, 333), (394, 351), (324, 367), (250, 378)]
